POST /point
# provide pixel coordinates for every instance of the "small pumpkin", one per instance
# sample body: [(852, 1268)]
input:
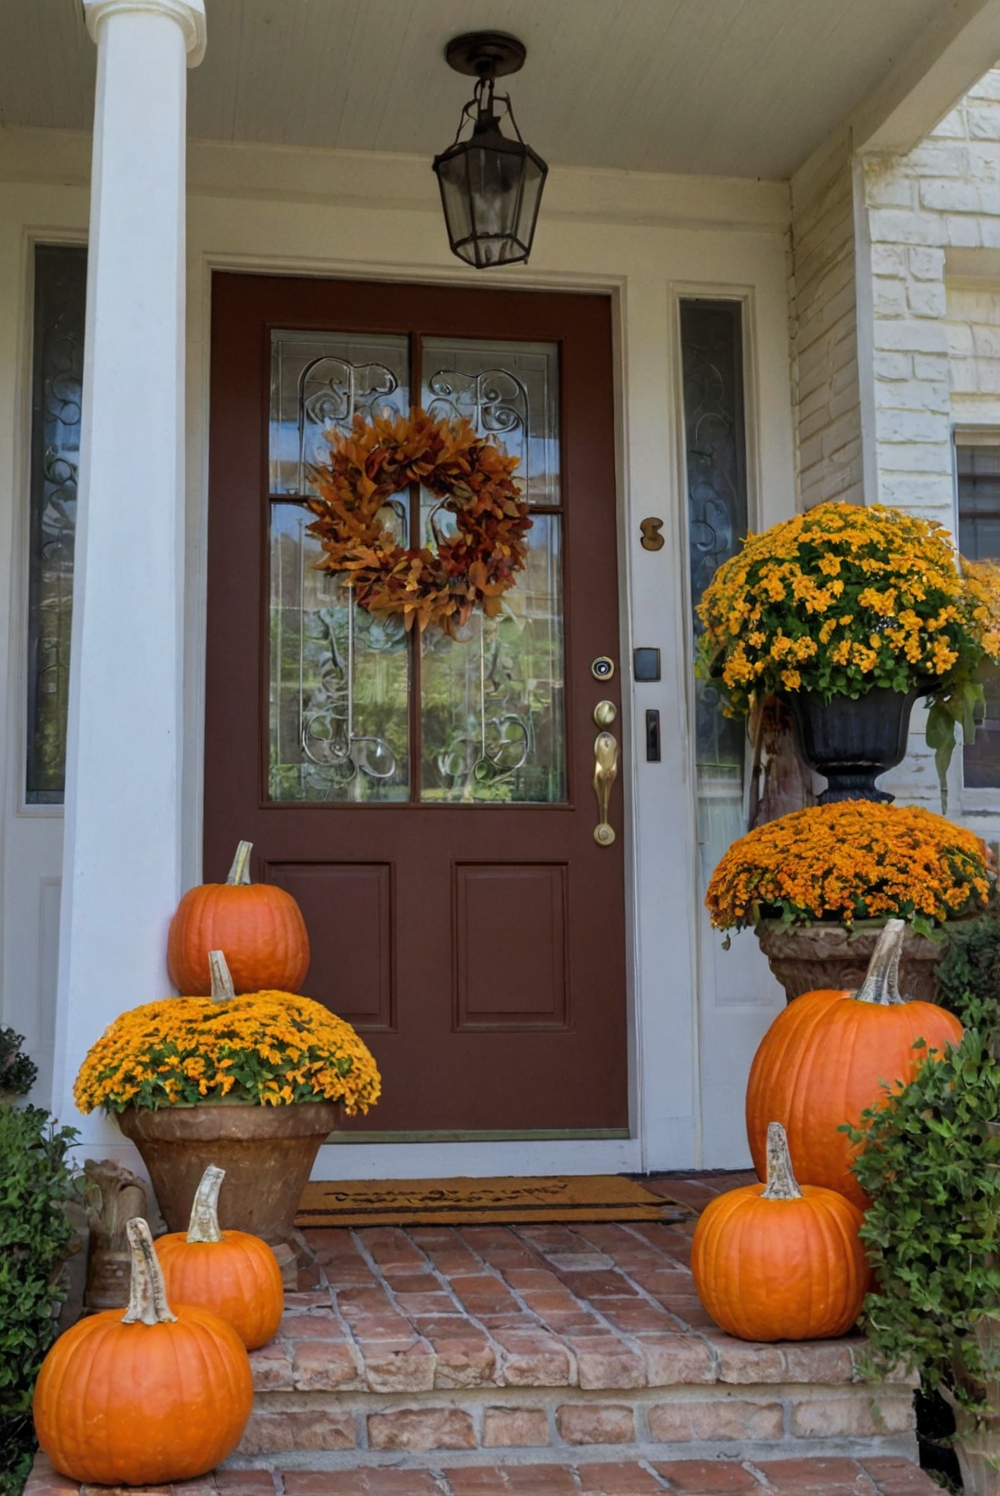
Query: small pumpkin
[(232, 1273), (258, 925), (830, 1055), (143, 1396), (780, 1261)]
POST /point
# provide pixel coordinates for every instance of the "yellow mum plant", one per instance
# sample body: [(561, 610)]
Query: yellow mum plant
[(843, 598), (852, 860), (266, 1047)]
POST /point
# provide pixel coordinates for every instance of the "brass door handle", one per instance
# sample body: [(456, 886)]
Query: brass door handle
[(605, 774)]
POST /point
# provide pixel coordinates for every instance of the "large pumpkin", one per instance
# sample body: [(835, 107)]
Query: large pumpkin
[(143, 1396), (232, 1273), (830, 1055), (258, 926), (780, 1262)]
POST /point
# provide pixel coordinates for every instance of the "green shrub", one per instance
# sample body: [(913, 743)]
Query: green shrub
[(931, 1163), (17, 1073), (35, 1183), (969, 972)]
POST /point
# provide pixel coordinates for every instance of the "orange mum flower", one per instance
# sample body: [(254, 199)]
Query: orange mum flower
[(855, 859)]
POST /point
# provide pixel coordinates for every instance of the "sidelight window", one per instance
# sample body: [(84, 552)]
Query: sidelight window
[(57, 378), (977, 464), (715, 461)]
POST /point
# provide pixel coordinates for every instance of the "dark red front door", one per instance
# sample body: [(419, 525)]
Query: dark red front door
[(429, 801)]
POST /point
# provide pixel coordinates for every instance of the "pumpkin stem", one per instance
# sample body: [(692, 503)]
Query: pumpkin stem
[(147, 1297), (222, 981), (781, 1181), (881, 983), (204, 1223), (240, 870)]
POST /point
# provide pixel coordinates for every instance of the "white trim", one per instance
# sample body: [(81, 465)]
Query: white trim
[(189, 15), (942, 63), (457, 1160)]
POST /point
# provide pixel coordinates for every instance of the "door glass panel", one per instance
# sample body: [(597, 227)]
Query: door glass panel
[(322, 379), (508, 390), (492, 698), (490, 701), (339, 680)]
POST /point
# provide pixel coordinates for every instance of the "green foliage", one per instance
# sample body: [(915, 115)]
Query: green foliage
[(969, 972), (35, 1183), (17, 1073), (931, 1162)]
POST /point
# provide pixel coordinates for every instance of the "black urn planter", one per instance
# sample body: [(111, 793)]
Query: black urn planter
[(852, 742)]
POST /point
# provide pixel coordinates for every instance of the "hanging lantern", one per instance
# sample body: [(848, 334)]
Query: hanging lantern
[(491, 183)]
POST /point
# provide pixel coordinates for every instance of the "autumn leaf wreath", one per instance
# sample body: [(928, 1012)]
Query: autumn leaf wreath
[(474, 563)]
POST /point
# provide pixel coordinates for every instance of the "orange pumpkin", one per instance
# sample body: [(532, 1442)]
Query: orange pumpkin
[(232, 1273), (143, 1396), (780, 1262), (830, 1055), (258, 925)]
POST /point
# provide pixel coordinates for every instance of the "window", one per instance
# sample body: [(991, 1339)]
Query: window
[(978, 481), (715, 450), (57, 377)]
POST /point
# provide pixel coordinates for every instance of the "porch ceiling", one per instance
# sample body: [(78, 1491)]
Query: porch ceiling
[(714, 87)]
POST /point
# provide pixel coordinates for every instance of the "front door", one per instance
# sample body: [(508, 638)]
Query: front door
[(428, 800)]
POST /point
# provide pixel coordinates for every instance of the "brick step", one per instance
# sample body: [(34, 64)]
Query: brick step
[(619, 1477), (465, 1342), (753, 1420)]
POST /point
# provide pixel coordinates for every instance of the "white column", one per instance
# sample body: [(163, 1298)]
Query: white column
[(121, 860)]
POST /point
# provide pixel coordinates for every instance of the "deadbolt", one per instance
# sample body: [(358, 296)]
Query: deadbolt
[(605, 713)]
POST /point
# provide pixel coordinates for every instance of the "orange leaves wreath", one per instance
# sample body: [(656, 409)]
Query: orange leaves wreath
[(475, 564)]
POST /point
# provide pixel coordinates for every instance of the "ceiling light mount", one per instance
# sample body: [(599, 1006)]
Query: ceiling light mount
[(484, 54)]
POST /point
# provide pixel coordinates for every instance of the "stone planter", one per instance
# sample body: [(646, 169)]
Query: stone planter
[(266, 1151), (805, 958), (976, 1443), (852, 742)]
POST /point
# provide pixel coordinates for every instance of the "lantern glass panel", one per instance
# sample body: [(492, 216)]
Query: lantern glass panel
[(453, 175)]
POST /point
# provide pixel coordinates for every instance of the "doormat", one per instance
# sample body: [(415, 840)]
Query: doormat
[(483, 1202)]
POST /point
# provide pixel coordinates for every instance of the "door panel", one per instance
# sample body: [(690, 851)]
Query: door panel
[(527, 988), (428, 800), (351, 905)]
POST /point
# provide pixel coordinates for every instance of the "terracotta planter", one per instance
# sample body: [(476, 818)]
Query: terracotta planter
[(805, 958), (266, 1151)]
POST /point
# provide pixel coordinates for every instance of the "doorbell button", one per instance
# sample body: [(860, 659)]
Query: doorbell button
[(646, 664), (603, 668)]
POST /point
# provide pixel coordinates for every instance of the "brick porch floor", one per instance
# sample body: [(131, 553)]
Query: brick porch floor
[(477, 1361)]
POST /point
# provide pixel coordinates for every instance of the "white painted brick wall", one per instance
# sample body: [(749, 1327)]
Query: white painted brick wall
[(823, 331), (935, 341)]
